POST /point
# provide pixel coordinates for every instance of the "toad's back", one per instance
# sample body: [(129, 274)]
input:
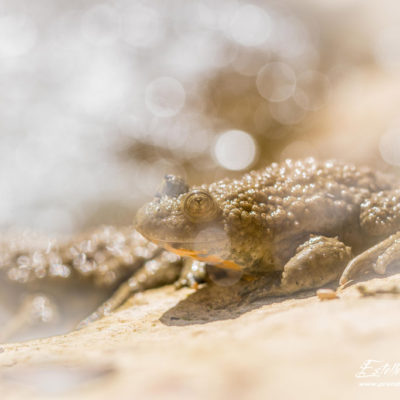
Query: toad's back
[(297, 197)]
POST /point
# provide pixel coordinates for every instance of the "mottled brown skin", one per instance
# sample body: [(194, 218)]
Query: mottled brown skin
[(299, 218)]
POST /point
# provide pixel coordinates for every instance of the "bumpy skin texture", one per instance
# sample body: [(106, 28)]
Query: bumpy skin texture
[(264, 216), (380, 213)]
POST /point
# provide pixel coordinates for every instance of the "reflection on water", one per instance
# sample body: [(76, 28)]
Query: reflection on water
[(26, 313)]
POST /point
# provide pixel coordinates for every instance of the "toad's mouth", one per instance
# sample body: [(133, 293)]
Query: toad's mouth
[(195, 250)]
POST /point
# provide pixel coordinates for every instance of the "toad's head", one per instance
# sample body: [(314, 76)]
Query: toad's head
[(187, 221)]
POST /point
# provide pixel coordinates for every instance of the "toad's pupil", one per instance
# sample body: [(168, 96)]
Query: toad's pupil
[(198, 204)]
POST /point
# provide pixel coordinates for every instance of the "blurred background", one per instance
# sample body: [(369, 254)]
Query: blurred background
[(99, 100)]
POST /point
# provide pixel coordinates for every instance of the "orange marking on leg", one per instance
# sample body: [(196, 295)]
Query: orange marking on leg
[(229, 265)]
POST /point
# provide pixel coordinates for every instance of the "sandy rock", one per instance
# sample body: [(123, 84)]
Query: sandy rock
[(177, 345)]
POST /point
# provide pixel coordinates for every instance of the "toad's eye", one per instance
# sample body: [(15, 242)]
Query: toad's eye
[(199, 206)]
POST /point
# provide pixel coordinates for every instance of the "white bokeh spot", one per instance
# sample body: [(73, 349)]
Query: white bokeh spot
[(235, 150), (250, 25)]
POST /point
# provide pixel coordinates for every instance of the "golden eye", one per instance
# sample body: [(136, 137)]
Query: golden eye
[(199, 206)]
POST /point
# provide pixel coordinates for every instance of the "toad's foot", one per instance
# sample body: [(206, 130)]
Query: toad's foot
[(377, 258), (193, 273), (317, 262), (196, 272), (162, 270)]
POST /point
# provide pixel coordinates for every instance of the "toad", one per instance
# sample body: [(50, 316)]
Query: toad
[(301, 221)]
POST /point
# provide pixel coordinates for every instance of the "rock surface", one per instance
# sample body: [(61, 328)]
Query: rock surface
[(180, 344)]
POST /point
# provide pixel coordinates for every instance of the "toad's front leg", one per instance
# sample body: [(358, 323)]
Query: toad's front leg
[(377, 258), (318, 261)]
